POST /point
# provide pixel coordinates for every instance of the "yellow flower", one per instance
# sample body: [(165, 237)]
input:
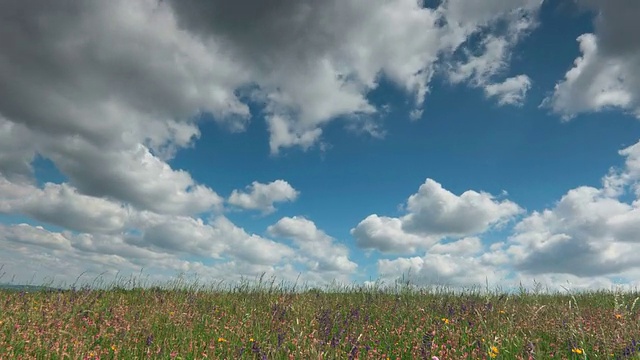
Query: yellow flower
[(251, 340), (445, 320), (618, 316), (502, 311), (221, 339), (577, 351), (114, 348), (494, 352), (171, 313)]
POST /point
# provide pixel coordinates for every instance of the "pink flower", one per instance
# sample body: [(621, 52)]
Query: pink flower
[(434, 358)]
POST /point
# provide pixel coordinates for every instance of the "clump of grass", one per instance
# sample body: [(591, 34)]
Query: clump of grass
[(268, 321)]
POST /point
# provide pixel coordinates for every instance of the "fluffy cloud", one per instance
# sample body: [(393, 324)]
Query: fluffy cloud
[(262, 196), (587, 240), (386, 235), (313, 62), (135, 176), (322, 252), (436, 211), (41, 256), (442, 269), (482, 68), (466, 247), (159, 249), (590, 232), (120, 86), (606, 75), (111, 91), (115, 86), (511, 91), (121, 237), (586, 234), (433, 213)]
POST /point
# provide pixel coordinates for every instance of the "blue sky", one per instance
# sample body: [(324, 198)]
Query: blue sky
[(336, 141)]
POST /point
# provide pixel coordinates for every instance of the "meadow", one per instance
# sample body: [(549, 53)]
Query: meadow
[(263, 320)]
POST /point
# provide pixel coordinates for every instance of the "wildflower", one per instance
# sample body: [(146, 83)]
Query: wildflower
[(502, 311), (251, 340), (618, 316), (494, 352), (445, 320), (114, 348), (221, 339), (434, 358), (577, 351)]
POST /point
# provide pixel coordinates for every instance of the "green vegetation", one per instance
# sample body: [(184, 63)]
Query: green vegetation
[(275, 322)]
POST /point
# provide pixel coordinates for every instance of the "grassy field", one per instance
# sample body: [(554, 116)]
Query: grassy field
[(271, 322)]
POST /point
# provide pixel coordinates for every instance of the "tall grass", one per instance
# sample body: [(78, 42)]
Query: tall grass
[(269, 320)]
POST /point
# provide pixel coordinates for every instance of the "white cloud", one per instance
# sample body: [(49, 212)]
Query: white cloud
[(62, 205), (26, 234), (586, 234), (606, 75), (464, 247), (588, 240), (263, 196), (482, 68), (433, 214), (119, 88), (111, 91), (321, 251), (314, 62), (386, 235), (436, 211), (590, 232), (159, 248), (132, 175), (511, 91), (442, 269)]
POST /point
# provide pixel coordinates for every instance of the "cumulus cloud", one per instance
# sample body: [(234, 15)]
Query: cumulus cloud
[(38, 255), (606, 75), (387, 235), (466, 247), (433, 214), (120, 86), (590, 232), (442, 269), (483, 67), (322, 252), (160, 246), (116, 86), (586, 234), (111, 91), (62, 205), (262, 197), (587, 240), (434, 210), (135, 176), (511, 91), (314, 62)]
